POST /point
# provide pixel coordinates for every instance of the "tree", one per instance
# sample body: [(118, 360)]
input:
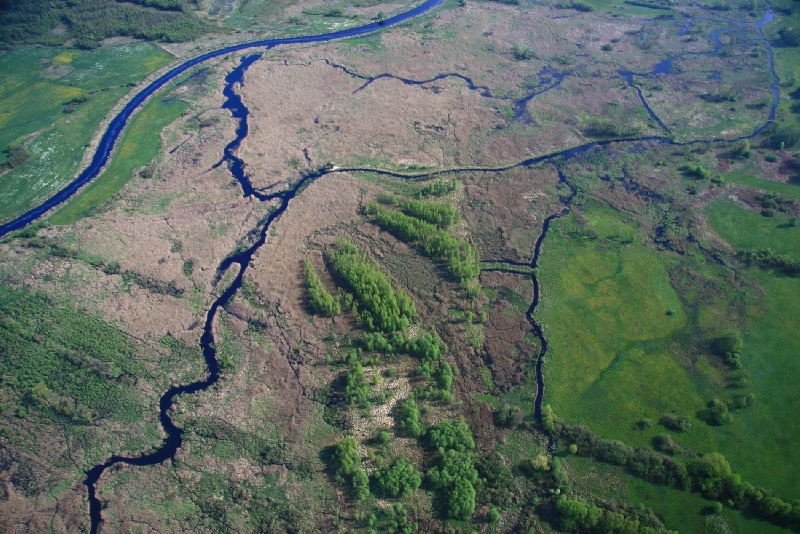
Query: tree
[(399, 480), (409, 418), (493, 516), (346, 457), (360, 483)]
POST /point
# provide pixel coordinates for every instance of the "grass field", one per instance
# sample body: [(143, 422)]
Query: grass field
[(760, 183), (35, 86), (609, 312), (770, 356), (617, 329), (140, 143)]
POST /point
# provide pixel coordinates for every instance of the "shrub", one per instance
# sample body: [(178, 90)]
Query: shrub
[(676, 423), (16, 157), (447, 435)]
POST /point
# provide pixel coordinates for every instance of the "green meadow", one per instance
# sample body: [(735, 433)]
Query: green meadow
[(768, 433), (140, 143), (609, 312), (619, 338), (36, 86)]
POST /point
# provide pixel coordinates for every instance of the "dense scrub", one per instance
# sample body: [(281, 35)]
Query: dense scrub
[(60, 361)]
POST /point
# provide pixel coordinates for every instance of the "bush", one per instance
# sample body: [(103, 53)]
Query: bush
[(16, 157), (356, 389), (676, 423), (718, 412), (346, 458), (697, 171), (409, 418), (447, 435)]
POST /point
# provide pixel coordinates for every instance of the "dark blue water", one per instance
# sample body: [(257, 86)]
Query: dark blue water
[(116, 126), (662, 68), (233, 103)]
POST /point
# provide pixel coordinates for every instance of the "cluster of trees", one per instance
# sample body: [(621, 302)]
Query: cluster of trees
[(88, 22), (356, 389), (455, 476), (408, 418), (390, 520), (771, 202), (675, 422), (741, 150), (399, 480), (575, 514), (381, 307), (718, 413), (730, 347), (438, 188), (442, 375), (710, 474), (696, 171), (783, 133), (322, 302), (462, 261), (347, 461), (439, 213), (770, 260)]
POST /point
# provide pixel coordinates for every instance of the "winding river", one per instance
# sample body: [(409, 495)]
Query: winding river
[(243, 258)]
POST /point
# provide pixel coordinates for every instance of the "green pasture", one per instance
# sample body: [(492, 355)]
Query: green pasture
[(609, 313), (35, 85), (619, 335), (140, 143), (760, 183), (748, 230), (761, 441)]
